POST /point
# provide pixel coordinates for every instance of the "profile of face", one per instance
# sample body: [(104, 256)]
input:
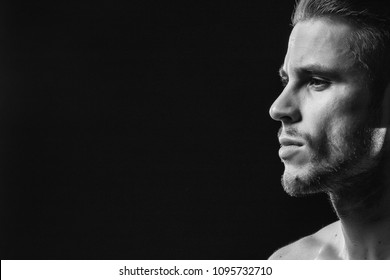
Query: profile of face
[(327, 136)]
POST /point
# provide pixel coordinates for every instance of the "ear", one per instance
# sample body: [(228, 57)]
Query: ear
[(386, 107), (386, 117)]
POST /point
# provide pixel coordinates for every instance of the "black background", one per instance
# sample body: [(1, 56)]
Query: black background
[(140, 130)]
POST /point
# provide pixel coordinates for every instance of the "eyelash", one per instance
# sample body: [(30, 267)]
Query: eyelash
[(318, 84), (312, 82)]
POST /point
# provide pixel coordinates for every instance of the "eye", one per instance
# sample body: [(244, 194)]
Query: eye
[(318, 83)]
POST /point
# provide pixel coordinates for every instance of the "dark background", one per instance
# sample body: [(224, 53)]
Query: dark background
[(140, 130)]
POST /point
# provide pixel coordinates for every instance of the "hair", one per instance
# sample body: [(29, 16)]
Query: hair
[(369, 41)]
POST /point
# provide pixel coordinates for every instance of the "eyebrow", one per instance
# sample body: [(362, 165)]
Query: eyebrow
[(317, 69)]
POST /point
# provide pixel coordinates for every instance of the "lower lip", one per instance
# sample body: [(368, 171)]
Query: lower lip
[(286, 152)]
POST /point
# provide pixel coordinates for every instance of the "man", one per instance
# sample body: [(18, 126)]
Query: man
[(335, 115)]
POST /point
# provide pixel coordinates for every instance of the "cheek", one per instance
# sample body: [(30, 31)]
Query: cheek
[(331, 115), (351, 105), (328, 132), (317, 122)]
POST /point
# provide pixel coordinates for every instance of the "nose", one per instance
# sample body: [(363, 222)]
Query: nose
[(286, 107)]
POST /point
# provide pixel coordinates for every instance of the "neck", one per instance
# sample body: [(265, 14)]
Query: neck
[(364, 213)]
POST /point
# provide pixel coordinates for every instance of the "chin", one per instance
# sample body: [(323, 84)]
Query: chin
[(301, 182), (336, 166)]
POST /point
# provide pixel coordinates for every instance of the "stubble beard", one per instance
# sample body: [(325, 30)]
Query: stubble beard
[(338, 165)]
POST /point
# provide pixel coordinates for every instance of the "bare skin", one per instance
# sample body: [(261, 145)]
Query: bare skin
[(328, 105), (332, 243)]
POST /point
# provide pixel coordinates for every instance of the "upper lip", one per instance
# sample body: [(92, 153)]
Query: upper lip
[(284, 141)]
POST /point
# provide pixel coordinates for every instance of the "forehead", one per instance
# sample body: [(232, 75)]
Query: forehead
[(319, 42)]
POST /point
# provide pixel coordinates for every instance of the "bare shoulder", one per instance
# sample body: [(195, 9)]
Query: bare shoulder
[(308, 247), (302, 249)]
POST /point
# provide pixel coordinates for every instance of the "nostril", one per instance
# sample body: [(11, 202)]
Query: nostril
[(286, 119), (276, 113), (287, 114)]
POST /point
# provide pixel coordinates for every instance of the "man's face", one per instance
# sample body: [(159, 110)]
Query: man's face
[(324, 110)]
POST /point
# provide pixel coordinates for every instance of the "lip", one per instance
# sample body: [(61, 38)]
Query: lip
[(289, 147), (286, 152), (284, 141)]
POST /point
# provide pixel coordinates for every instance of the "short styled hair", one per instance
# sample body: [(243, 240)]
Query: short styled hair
[(370, 39)]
